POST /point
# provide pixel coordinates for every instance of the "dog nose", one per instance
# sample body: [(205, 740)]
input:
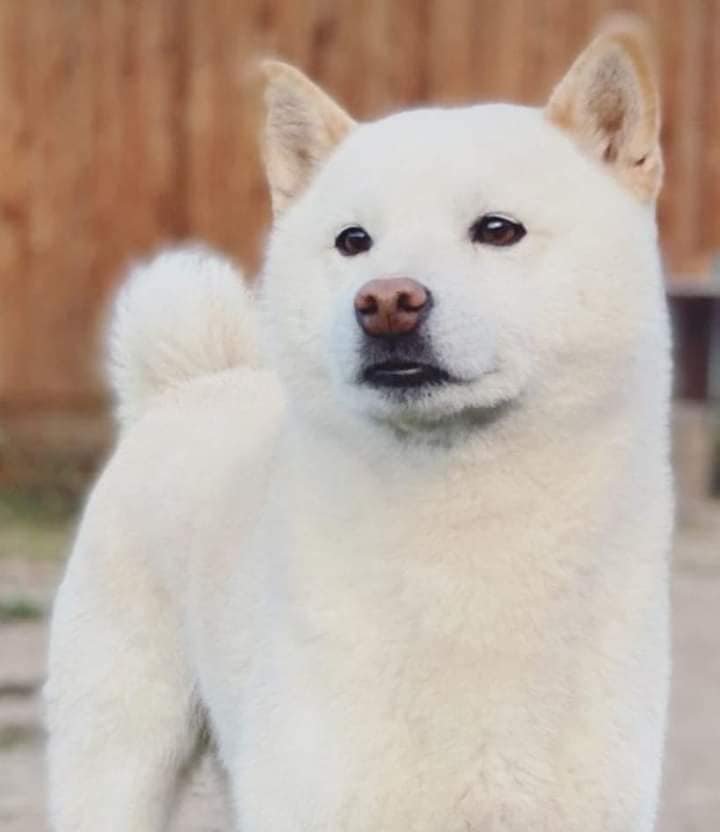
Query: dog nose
[(392, 306)]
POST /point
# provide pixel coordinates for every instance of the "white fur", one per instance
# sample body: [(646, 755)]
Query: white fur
[(185, 313), (429, 615)]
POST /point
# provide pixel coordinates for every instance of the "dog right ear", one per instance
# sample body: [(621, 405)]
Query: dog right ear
[(303, 125), (609, 103)]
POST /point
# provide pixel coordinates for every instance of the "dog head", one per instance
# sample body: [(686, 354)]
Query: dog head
[(441, 264)]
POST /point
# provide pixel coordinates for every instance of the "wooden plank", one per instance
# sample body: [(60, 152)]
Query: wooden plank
[(15, 152), (546, 49), (709, 128), (43, 350), (226, 198), (682, 42)]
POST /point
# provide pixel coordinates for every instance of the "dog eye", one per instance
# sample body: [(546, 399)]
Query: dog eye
[(496, 230), (353, 240)]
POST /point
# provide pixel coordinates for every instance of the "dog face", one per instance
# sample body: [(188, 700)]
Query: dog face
[(441, 264)]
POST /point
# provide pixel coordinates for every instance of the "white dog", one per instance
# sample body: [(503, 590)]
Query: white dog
[(400, 544)]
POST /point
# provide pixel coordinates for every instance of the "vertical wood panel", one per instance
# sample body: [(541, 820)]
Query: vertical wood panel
[(226, 203), (682, 82), (710, 135), (15, 153)]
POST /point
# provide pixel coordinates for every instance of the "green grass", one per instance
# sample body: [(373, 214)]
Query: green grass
[(715, 476), (43, 506), (36, 523), (20, 609), (17, 734)]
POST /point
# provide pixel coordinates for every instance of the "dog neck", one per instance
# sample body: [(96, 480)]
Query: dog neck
[(519, 448)]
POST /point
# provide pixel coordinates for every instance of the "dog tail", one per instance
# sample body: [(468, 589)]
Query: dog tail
[(183, 314)]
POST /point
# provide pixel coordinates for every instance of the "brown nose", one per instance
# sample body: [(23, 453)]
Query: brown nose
[(392, 306)]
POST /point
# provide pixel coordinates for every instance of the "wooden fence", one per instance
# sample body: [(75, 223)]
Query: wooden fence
[(128, 123)]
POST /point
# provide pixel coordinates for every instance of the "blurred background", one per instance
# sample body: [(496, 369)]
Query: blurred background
[(129, 124)]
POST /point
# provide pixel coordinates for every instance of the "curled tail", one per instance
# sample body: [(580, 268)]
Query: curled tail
[(185, 313)]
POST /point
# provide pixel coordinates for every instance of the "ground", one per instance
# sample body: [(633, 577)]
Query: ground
[(34, 538)]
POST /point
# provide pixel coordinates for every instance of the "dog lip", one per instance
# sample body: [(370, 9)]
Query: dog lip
[(396, 373)]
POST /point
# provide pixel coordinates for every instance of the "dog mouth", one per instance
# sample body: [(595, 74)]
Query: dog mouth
[(403, 375)]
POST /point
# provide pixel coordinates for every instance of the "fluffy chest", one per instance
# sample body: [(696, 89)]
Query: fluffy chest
[(459, 649), (438, 617)]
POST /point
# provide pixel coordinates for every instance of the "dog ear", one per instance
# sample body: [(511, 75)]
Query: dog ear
[(302, 127), (609, 103)]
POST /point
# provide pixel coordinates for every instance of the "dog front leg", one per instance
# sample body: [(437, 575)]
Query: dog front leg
[(122, 713)]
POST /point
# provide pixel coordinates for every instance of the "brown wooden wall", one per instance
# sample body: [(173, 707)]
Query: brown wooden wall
[(126, 123)]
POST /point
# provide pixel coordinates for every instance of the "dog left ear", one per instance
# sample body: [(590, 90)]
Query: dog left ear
[(609, 103), (303, 126)]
